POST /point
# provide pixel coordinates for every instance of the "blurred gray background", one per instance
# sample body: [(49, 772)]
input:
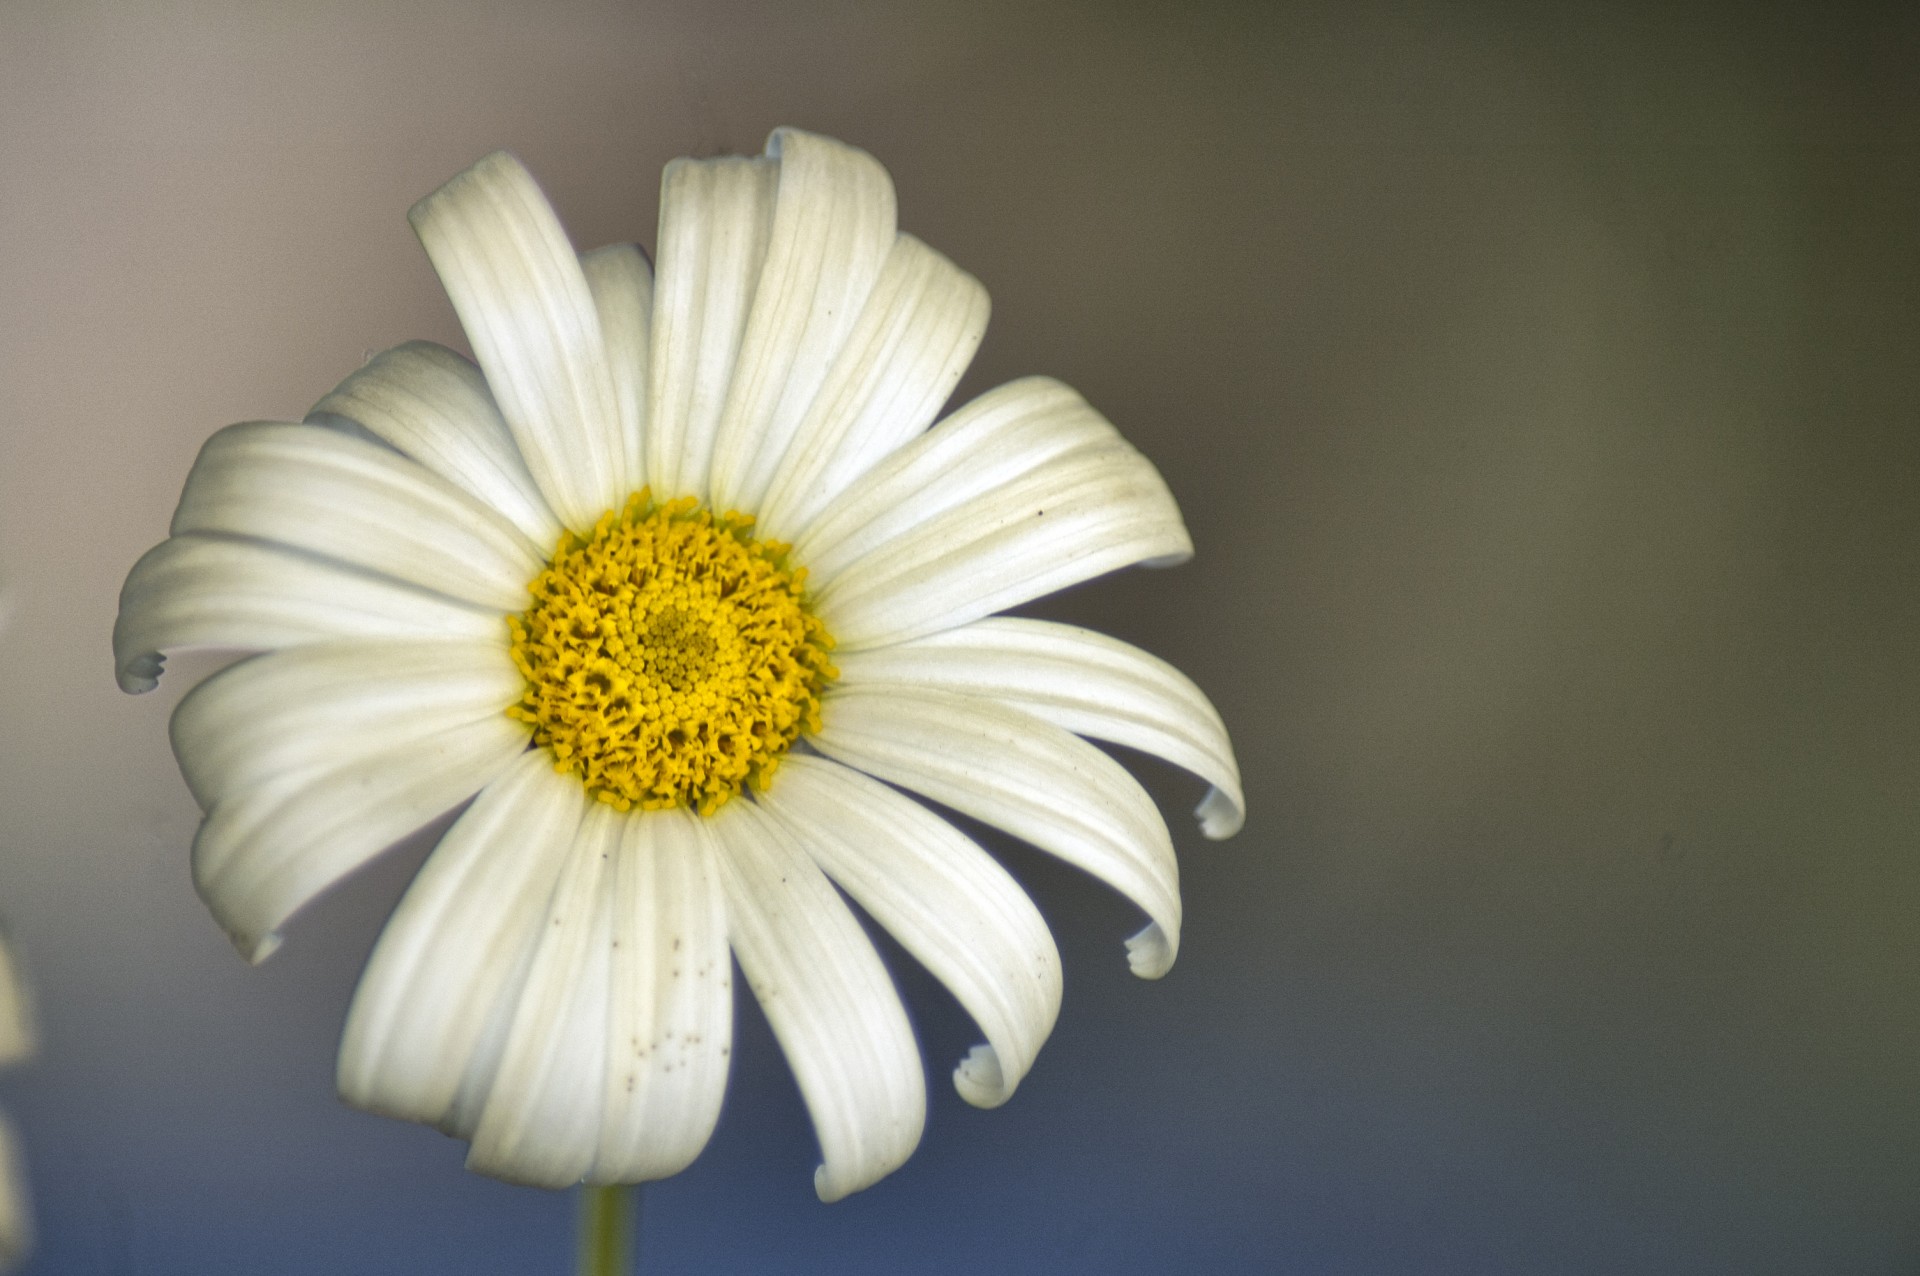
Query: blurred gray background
[(1541, 391)]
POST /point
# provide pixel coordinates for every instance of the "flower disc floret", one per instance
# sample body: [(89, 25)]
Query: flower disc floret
[(670, 658)]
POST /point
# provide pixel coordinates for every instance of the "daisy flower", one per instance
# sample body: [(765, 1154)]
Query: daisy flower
[(681, 584), (16, 1044)]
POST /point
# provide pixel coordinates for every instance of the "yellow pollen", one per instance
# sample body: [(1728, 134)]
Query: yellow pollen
[(670, 657)]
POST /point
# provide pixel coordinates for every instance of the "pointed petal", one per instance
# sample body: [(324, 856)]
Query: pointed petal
[(291, 712), (943, 898), (670, 1013), (541, 1122), (1013, 771), (621, 282), (434, 406), (991, 441), (1077, 518), (1001, 503), (917, 333), (833, 224), (357, 503), (828, 999), (211, 591), (517, 286), (1075, 678), (715, 218), (285, 826), (430, 1015)]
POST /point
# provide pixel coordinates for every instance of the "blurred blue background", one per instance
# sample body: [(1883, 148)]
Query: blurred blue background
[(1541, 391)]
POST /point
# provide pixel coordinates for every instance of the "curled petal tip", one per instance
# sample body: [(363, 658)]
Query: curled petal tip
[(1150, 953), (831, 1184), (257, 949), (1219, 815), (980, 1079), (141, 674)]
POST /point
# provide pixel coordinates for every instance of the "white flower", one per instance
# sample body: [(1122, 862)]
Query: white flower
[(16, 1044), (555, 985)]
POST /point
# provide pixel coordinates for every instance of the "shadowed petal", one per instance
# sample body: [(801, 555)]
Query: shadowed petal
[(16, 1208), (828, 999), (1023, 492), (289, 712), (18, 1035), (358, 503), (521, 296), (833, 224), (622, 285), (991, 441), (314, 760), (428, 1016), (715, 217), (670, 1009), (434, 406), (944, 899), (1088, 683), (1013, 771), (195, 591), (916, 335), (540, 1122)]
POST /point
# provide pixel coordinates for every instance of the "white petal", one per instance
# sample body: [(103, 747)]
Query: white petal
[(210, 591), (1075, 517), (715, 217), (541, 1123), (286, 714), (358, 503), (622, 285), (1079, 517), (18, 1036), (430, 1015), (943, 898), (670, 1013), (434, 406), (833, 224), (1024, 491), (265, 851), (1075, 678), (993, 440), (16, 1206), (916, 335), (828, 999), (517, 286), (1011, 770)]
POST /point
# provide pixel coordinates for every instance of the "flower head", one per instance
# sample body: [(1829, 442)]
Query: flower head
[(681, 580)]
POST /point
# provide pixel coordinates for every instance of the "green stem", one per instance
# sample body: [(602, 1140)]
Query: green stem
[(609, 1226)]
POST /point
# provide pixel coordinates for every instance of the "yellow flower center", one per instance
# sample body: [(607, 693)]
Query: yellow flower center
[(670, 658)]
